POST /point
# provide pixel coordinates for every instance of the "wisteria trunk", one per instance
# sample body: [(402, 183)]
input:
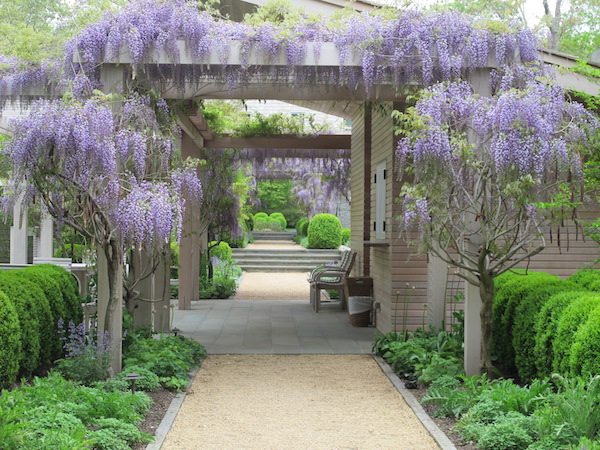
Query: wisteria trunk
[(110, 298), (486, 291)]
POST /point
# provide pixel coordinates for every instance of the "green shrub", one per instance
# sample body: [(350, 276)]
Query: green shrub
[(49, 342), (545, 329), (28, 321), (148, 382), (511, 288), (586, 277), (346, 236), (324, 231), (526, 314), (221, 251), (278, 217), (305, 226), (574, 315), (112, 431), (58, 308), (221, 287), (584, 352), (69, 289), (300, 231), (10, 343), (259, 216), (514, 431), (172, 356)]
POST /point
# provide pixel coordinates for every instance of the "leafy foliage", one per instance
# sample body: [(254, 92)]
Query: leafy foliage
[(10, 342)]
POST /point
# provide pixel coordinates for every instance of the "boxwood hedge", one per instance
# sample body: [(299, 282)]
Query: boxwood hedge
[(10, 342)]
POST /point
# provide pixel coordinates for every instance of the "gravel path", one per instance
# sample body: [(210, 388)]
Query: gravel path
[(273, 286), (295, 402)]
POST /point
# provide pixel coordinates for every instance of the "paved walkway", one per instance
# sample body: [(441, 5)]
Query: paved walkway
[(272, 327), (295, 402)]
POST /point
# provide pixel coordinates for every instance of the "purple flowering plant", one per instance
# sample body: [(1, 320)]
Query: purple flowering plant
[(485, 177), (88, 354)]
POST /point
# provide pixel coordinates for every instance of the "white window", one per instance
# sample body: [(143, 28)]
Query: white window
[(380, 200)]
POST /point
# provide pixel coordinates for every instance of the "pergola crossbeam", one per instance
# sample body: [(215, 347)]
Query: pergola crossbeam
[(323, 142)]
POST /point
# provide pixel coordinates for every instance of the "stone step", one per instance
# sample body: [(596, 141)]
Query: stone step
[(273, 235), (285, 254), (279, 261), (278, 268)]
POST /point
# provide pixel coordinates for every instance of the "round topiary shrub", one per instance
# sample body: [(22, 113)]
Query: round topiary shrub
[(278, 217), (221, 251), (10, 342), (260, 215), (573, 317), (324, 231), (584, 359), (346, 236)]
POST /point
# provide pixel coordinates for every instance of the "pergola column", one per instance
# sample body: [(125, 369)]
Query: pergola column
[(18, 234), (154, 292), (46, 247), (189, 246)]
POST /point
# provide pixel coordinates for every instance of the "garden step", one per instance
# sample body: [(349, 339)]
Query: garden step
[(273, 235), (277, 268)]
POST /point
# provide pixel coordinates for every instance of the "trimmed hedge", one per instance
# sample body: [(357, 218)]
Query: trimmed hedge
[(545, 330), (29, 322), (38, 303), (260, 216), (526, 314), (278, 217), (324, 231), (511, 289), (10, 342), (584, 352), (586, 278), (574, 316), (69, 289)]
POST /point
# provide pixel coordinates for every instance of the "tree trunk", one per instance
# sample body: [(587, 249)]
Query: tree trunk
[(486, 291), (110, 298)]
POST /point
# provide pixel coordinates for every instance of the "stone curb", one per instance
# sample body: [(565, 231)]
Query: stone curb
[(169, 417), (437, 434)]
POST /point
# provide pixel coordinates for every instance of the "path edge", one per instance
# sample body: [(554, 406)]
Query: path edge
[(167, 422), (438, 435)]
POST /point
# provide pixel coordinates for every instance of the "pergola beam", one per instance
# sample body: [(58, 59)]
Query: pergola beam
[(322, 142)]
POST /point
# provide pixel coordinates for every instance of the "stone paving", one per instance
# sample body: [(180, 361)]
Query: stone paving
[(272, 327)]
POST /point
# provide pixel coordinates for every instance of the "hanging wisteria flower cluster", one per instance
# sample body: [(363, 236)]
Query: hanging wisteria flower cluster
[(410, 47), (478, 154), (318, 183), (112, 172)]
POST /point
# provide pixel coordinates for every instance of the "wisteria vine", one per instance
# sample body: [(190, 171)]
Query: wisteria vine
[(412, 47)]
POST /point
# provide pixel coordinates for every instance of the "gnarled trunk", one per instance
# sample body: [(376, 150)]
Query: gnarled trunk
[(486, 291)]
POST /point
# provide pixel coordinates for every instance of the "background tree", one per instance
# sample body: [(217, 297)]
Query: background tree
[(484, 178)]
